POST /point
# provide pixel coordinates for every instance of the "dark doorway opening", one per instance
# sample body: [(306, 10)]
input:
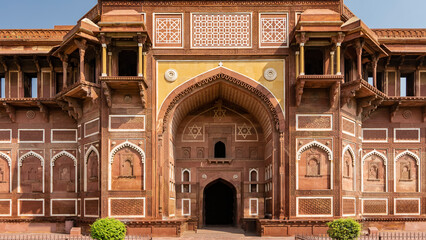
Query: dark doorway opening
[(219, 203), (127, 63), (314, 62), (219, 150)]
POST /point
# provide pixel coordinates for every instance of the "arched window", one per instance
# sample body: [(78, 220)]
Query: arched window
[(186, 178), (219, 150), (253, 178)]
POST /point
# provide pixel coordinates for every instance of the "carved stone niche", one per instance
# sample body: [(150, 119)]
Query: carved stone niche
[(314, 170), (348, 164), (127, 170), (200, 152), (374, 174), (186, 152), (92, 172), (4, 175), (406, 174)]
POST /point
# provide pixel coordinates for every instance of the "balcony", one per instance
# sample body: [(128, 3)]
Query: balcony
[(331, 82), (111, 83)]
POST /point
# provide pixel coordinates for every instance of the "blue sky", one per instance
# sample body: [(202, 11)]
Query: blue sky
[(47, 13)]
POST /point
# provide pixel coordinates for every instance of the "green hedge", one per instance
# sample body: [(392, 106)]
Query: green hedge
[(108, 229), (344, 229)]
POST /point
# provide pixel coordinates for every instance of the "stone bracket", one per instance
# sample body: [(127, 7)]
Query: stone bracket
[(107, 93), (348, 91), (334, 94), (75, 106), (3, 63), (299, 91), (10, 111), (424, 113), (65, 107), (363, 103), (368, 110), (393, 109), (142, 94), (36, 63), (44, 110)]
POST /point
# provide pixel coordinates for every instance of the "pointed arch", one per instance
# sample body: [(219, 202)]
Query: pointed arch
[(351, 152), (29, 154), (227, 75), (119, 147), (123, 145), (377, 153), (314, 144), (63, 153), (9, 162), (407, 152), (86, 161)]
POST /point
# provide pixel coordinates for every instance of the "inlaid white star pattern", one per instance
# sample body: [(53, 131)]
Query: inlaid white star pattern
[(219, 113), (195, 131), (244, 131)]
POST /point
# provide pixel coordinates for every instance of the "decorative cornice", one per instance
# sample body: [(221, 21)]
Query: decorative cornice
[(400, 33), (32, 34), (218, 3)]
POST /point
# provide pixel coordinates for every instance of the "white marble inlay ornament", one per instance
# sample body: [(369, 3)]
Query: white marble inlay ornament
[(204, 176), (270, 74), (171, 75), (235, 176)]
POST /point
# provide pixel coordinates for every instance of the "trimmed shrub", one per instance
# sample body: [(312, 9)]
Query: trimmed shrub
[(344, 229), (108, 229)]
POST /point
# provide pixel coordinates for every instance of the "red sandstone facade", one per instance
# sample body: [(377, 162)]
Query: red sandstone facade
[(275, 116)]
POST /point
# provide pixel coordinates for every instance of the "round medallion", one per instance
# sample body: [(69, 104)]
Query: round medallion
[(235, 176), (204, 176), (270, 74), (171, 75), (30, 114), (127, 99), (407, 114)]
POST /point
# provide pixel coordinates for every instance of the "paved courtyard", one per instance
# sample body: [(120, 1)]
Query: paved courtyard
[(219, 233)]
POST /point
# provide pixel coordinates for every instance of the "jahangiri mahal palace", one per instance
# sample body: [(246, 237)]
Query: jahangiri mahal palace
[(271, 115)]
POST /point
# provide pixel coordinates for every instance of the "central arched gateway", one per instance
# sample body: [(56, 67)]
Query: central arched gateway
[(220, 130), (220, 205)]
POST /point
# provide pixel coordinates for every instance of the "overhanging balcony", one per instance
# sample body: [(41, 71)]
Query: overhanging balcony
[(331, 82)]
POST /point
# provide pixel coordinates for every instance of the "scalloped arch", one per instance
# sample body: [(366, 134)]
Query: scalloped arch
[(8, 159), (28, 154), (314, 144), (377, 153), (407, 152), (351, 152), (123, 145), (63, 153), (89, 151)]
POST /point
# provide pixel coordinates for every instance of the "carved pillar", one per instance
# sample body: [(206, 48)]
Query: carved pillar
[(332, 63), (82, 46), (110, 63), (302, 58), (358, 48), (158, 175), (297, 64), (104, 60), (141, 42), (375, 59), (64, 59), (282, 178), (339, 39)]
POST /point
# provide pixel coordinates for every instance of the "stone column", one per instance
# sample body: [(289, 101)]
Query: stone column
[(332, 63), (64, 59), (302, 58), (297, 64), (338, 62), (141, 42), (82, 46), (375, 59), (104, 60), (358, 48)]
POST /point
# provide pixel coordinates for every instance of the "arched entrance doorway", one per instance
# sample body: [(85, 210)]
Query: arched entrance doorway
[(219, 203)]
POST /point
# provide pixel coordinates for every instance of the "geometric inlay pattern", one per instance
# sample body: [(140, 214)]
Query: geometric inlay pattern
[(195, 131), (315, 206), (168, 30), (407, 206), (375, 207), (221, 30), (273, 30), (244, 131)]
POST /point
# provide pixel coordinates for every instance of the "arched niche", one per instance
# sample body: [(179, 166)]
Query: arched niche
[(31, 173), (127, 168), (5, 173), (407, 165), (314, 167), (348, 169), (91, 170), (374, 172), (63, 173)]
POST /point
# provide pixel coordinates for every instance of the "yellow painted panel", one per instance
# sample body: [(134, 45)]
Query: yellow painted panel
[(187, 70)]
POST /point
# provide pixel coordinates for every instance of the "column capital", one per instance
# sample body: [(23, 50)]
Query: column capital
[(81, 43), (301, 38)]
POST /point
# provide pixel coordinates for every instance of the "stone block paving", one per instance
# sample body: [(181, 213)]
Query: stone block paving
[(220, 233)]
